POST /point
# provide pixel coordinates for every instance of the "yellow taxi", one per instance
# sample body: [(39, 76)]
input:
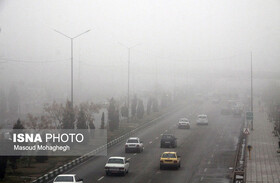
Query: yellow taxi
[(170, 159)]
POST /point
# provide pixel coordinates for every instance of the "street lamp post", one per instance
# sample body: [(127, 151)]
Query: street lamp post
[(252, 104), (128, 76), (72, 41)]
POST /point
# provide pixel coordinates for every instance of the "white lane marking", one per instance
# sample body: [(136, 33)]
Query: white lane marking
[(201, 179), (150, 142), (134, 154), (212, 155), (205, 169), (156, 138), (100, 178), (161, 134), (128, 158), (165, 130), (209, 162)]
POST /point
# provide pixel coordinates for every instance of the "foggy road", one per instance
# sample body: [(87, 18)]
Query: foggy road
[(207, 152), (88, 65)]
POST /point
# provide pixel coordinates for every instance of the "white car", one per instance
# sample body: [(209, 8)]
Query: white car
[(117, 165), (202, 119), (134, 144), (69, 178), (184, 123)]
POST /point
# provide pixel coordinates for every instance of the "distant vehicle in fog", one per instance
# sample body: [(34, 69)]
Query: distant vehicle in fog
[(134, 144), (168, 140), (238, 109), (202, 119), (184, 123)]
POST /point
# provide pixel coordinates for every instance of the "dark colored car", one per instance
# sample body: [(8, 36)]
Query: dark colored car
[(168, 140)]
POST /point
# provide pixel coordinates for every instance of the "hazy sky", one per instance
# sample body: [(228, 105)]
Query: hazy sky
[(213, 35)]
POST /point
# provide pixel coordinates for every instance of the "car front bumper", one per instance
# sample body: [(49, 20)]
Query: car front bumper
[(132, 149), (202, 123), (116, 171), (184, 126)]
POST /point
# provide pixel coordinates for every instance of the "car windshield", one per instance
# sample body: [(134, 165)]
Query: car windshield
[(64, 179), (167, 136), (184, 120), (115, 161), (202, 117), (132, 141), (168, 155)]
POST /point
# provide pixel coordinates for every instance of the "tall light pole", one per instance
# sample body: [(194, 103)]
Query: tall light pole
[(128, 75), (252, 104), (72, 41)]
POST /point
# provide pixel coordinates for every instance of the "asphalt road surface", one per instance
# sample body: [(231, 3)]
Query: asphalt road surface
[(207, 152)]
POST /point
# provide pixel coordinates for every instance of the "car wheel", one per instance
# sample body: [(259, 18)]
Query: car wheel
[(107, 173), (161, 146), (126, 151), (160, 167)]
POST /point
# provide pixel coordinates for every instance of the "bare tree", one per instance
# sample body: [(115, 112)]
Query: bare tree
[(55, 113)]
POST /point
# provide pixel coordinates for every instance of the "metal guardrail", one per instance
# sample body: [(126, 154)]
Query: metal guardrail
[(239, 171), (51, 175)]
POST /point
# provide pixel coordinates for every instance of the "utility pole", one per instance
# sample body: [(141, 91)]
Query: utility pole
[(252, 104), (128, 76), (72, 64), (128, 79)]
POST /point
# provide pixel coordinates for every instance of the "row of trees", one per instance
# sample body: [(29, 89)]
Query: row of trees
[(64, 117), (137, 109)]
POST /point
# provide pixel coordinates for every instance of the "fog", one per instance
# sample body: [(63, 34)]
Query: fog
[(182, 43)]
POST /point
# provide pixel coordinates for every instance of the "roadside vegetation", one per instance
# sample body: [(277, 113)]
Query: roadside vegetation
[(64, 116)]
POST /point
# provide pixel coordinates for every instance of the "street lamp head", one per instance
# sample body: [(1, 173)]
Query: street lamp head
[(61, 33), (81, 34)]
